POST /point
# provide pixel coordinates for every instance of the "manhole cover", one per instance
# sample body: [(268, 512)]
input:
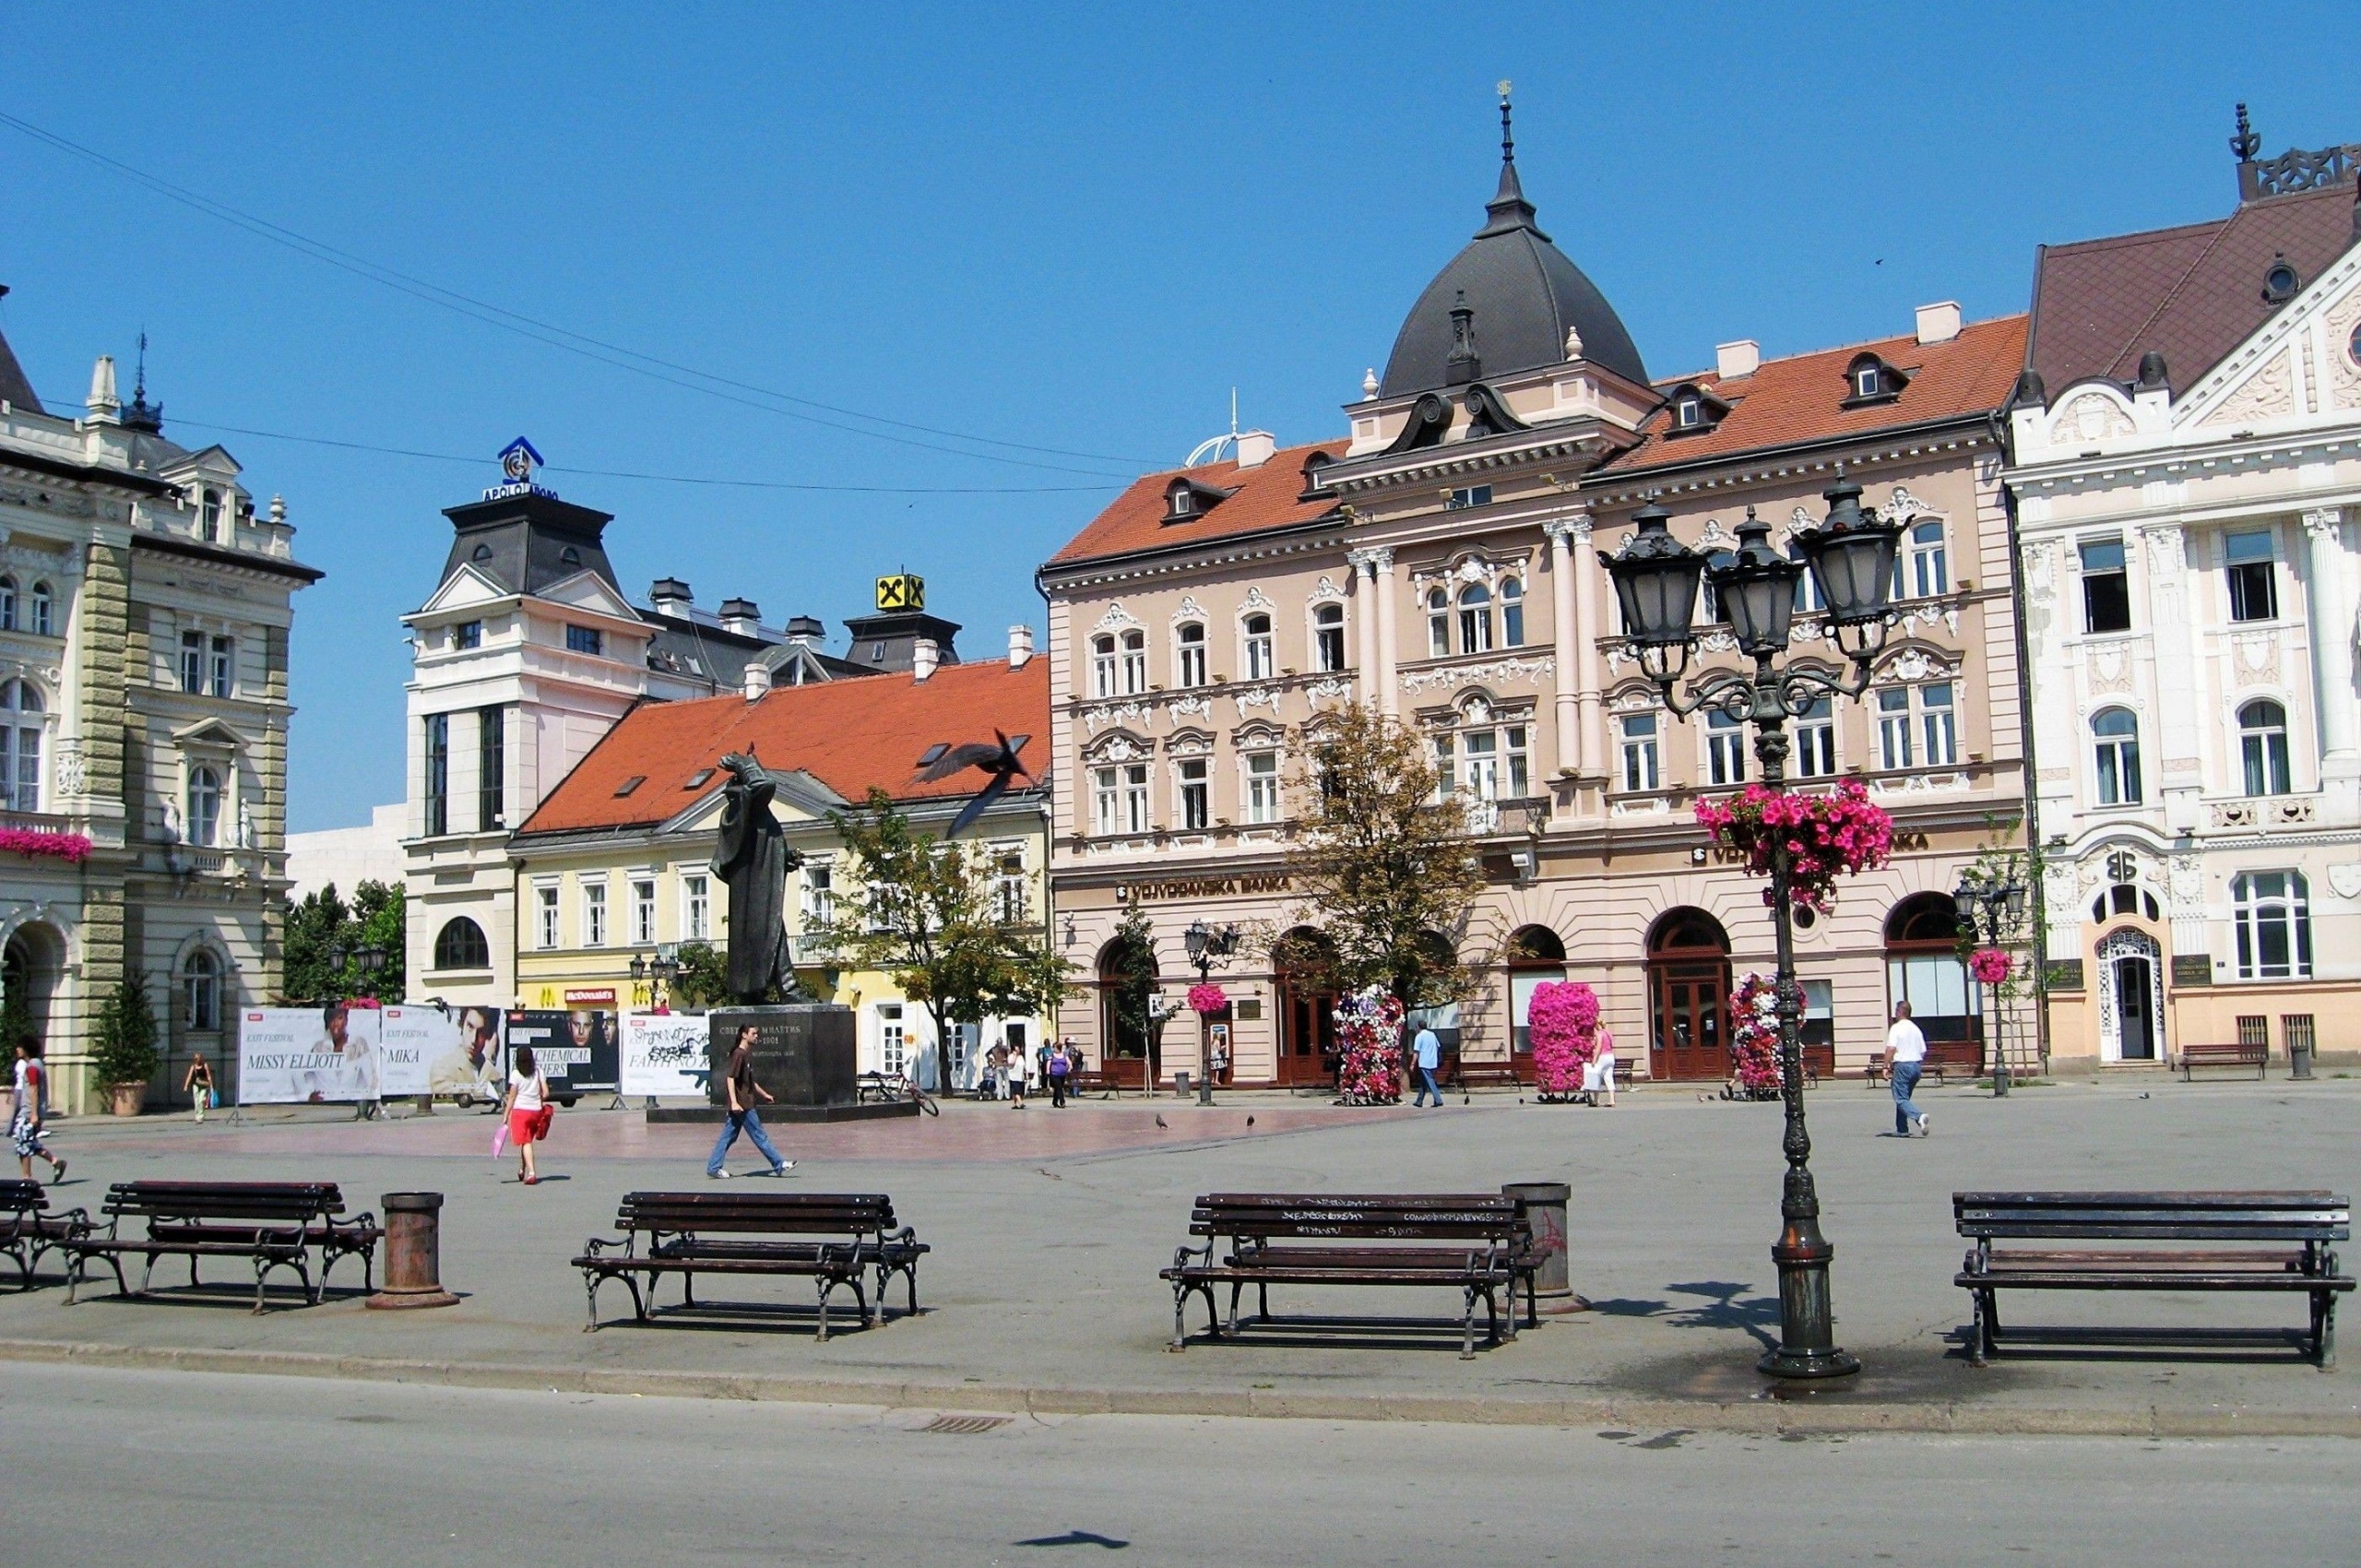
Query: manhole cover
[(964, 1426)]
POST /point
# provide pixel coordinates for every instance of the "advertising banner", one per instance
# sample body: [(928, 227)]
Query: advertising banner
[(300, 1055), (468, 1062), (664, 1053), (575, 1051), (410, 1040)]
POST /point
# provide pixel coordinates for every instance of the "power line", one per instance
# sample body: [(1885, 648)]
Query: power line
[(557, 337)]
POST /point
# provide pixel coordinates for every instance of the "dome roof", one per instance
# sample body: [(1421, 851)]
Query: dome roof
[(1522, 296)]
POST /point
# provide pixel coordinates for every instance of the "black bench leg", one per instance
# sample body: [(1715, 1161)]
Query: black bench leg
[(640, 1304), (910, 1276), (2324, 1329), (1467, 1326), (825, 1284), (591, 1289), (149, 1273), (1237, 1289), (1180, 1323)]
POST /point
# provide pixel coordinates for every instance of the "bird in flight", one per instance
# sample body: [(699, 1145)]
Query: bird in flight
[(996, 757)]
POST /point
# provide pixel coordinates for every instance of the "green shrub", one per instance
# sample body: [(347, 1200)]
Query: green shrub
[(123, 1049)]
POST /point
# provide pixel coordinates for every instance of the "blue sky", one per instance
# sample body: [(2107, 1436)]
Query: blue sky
[(1055, 227)]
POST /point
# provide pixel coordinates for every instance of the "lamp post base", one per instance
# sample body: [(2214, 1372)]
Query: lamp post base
[(1806, 1364)]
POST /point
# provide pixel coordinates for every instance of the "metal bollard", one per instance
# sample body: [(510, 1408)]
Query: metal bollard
[(413, 1253), (1545, 1218)]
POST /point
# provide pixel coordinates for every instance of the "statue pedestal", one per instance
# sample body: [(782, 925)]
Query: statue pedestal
[(805, 1055)]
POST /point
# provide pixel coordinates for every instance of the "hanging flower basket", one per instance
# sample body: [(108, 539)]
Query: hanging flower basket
[(1368, 1031), (1563, 1023), (71, 847), (1841, 833), (1754, 1038), (1207, 1000), (1990, 966)]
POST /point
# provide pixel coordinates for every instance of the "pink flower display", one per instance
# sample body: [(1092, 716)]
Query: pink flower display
[(1754, 1036), (1840, 833), (1990, 966), (1368, 1032), (1207, 1000), (71, 847), (1563, 1022)]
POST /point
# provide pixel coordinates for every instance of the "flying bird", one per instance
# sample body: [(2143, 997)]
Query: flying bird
[(998, 760)]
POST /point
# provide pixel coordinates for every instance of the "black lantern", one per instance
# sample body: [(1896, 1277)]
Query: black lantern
[(1757, 589), (369, 957), (1965, 901), (1194, 940), (1851, 555), (638, 967), (1656, 579)]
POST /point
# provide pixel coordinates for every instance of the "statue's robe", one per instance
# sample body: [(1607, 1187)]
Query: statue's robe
[(753, 859)]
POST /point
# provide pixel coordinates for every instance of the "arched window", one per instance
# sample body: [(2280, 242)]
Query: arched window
[(20, 746), (1262, 661), (1476, 619), (204, 806), (44, 610), (1536, 957), (2262, 739), (1512, 613), (201, 991), (1134, 663), (1689, 988), (1641, 771), (2275, 921), (1191, 640), (1923, 968), (7, 604), (460, 945), (1438, 623), (1102, 666), (2116, 734), (1328, 636)]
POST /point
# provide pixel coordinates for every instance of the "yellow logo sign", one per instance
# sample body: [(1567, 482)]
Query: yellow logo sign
[(902, 591)]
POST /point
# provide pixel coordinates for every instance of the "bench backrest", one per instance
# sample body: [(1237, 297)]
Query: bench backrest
[(2162, 1216), (1469, 1217), (278, 1202), (826, 1214), (20, 1197)]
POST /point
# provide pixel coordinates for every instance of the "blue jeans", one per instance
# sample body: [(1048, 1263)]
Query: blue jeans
[(1425, 1088), (750, 1123), (1906, 1078)]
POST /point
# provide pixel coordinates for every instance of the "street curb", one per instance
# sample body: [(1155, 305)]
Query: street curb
[(1750, 1418)]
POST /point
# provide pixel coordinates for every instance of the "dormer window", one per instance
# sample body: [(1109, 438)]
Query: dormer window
[(1184, 504), (1869, 379), (1688, 413), (1185, 499), (1694, 410), (2279, 283), (209, 517), (1315, 487)]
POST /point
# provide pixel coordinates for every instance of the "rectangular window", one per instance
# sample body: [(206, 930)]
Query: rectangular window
[(492, 767), (1262, 661), (696, 907), (1816, 741), (1438, 624), (222, 667), (2107, 591), (1102, 667), (1008, 888), (545, 912), (1262, 787), (1725, 750), (1196, 809), (1936, 725), (2272, 910), (819, 895), (1640, 770), (1134, 663), (594, 914), (438, 773), (2254, 584), (1520, 761), (1136, 798), (1893, 728), (585, 639), (1191, 671), (1105, 798), (466, 634), (1328, 640), (1483, 749), (893, 1039), (642, 912), (1471, 496), (193, 662), (1446, 767)]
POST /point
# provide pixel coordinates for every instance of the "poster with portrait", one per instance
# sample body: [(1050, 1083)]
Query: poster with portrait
[(410, 1041), (664, 1054), (307, 1056), (576, 1050), (469, 1063)]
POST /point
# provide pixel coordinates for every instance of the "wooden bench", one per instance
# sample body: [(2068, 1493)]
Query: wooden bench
[(1462, 1075), (1476, 1242), (2283, 1245), (2257, 1056), (830, 1238), (28, 1228), (274, 1224), (1946, 1059), (1094, 1080)]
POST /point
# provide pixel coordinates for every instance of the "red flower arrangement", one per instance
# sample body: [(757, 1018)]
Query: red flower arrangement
[(1754, 1036), (71, 847), (1991, 965), (1563, 1022), (1205, 1000), (1368, 1032), (1840, 833)]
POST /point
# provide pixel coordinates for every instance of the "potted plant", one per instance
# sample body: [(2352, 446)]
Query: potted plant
[(123, 1047)]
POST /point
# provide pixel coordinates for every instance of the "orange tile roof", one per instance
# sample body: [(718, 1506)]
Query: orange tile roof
[(1798, 399), (1265, 499), (848, 734)]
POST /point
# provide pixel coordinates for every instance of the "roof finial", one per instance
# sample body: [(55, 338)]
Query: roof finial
[(2246, 144), (143, 414), (1508, 208), (1508, 142)]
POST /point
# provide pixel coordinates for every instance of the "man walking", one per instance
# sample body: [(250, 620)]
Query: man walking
[(1906, 1056), (739, 1085), (1427, 1049), (25, 1116)]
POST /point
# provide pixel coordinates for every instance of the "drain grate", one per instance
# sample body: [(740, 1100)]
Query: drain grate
[(964, 1426)]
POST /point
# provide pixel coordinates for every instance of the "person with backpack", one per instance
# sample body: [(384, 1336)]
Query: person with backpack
[(528, 1112), (25, 1116), (1061, 1064)]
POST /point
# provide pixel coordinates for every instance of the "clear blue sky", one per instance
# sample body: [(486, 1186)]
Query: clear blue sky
[(1074, 228)]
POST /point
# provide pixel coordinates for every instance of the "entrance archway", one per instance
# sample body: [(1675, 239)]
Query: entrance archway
[(1536, 958), (1126, 1039), (30, 967), (1689, 989), (1307, 1007), (1923, 968), (2132, 997)]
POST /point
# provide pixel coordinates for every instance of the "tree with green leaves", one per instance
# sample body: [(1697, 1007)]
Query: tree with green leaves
[(921, 910), (1129, 970), (321, 925), (122, 1045), (704, 979), (1381, 862)]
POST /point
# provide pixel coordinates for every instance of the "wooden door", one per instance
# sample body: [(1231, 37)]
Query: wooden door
[(1688, 1017), (1306, 1035)]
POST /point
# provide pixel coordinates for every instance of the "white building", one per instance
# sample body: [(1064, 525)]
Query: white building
[(344, 857)]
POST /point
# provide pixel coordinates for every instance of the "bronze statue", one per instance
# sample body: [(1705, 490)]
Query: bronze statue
[(753, 858)]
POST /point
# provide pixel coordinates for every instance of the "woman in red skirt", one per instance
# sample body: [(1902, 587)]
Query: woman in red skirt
[(527, 1109)]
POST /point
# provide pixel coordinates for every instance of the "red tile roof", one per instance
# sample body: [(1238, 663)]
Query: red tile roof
[(2191, 293), (1800, 398), (848, 734), (1265, 499)]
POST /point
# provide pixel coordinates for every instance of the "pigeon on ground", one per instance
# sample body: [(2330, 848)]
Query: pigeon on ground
[(1160, 1121), (1250, 1120), (998, 760)]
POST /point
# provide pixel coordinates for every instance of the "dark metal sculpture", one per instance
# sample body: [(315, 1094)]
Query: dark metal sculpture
[(753, 858), (998, 759)]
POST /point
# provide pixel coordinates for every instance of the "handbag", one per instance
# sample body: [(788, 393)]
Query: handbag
[(541, 1120)]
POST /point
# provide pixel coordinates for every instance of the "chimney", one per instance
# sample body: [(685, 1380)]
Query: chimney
[(103, 405), (1939, 323), (923, 658), (743, 616), (1020, 647), (1732, 360), (670, 595), (758, 678), (1255, 447), (805, 629)]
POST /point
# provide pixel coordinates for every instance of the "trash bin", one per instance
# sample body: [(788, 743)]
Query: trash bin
[(1180, 1085), (2299, 1059), (413, 1253), (1545, 1218)]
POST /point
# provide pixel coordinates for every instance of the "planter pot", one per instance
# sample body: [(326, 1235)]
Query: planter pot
[(126, 1100)]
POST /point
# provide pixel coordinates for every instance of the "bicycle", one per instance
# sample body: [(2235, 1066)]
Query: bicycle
[(886, 1088)]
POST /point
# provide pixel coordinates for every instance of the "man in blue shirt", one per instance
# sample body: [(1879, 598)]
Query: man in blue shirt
[(1428, 1051)]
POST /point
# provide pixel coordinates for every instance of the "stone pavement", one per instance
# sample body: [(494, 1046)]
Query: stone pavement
[(1049, 1226)]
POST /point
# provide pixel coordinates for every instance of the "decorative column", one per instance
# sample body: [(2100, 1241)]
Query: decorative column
[(1561, 620), (1365, 622), (1388, 695), (2331, 633), (1588, 606)]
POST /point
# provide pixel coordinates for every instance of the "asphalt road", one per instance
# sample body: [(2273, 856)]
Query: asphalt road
[(194, 1470)]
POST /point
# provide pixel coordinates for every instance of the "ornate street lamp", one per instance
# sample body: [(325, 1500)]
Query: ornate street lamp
[(1990, 906), (1851, 557), (658, 974), (1206, 946)]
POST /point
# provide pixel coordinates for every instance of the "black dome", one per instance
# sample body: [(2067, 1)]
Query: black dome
[(1525, 295)]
